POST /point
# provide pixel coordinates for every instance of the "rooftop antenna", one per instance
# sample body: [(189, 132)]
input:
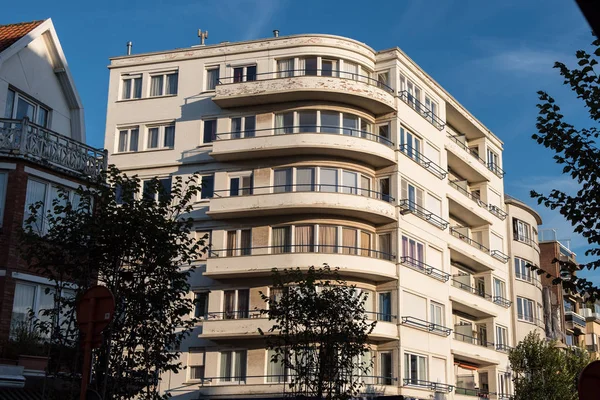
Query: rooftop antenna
[(129, 44), (202, 36)]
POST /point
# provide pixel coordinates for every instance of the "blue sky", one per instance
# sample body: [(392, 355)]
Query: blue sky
[(492, 56)]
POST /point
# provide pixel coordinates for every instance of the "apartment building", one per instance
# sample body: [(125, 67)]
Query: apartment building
[(42, 149), (318, 149)]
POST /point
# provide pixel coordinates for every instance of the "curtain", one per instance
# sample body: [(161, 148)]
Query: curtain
[(169, 140), (275, 371), (36, 192), (229, 304), (134, 136), (122, 141), (243, 303), (328, 180), (328, 239), (385, 246), (365, 185), (304, 239), (23, 302), (152, 138), (156, 85), (240, 365), (285, 68), (281, 243), (305, 179), (365, 244), (236, 128), (212, 78), (350, 70), (348, 241), (231, 243), (279, 124), (225, 366), (246, 239), (171, 84), (282, 180)]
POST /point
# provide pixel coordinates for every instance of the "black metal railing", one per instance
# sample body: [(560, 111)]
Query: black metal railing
[(379, 316), (421, 109), (465, 238), (498, 255), (283, 378), (302, 248), (422, 324), (479, 394), (466, 193), (408, 206), (308, 187), (435, 386), (572, 316), (502, 301), (233, 314), (293, 73), (495, 168), (424, 268), (497, 211), (503, 347), (471, 289), (300, 129), (423, 161), (473, 340), (22, 138)]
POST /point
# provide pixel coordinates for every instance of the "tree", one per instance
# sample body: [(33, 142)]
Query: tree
[(577, 150), (543, 371), (320, 331), (140, 247)]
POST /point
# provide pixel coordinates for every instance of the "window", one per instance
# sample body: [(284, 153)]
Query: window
[(504, 384), (415, 369), (414, 250), (525, 309), (436, 314), (384, 246), (328, 67), (411, 91), (161, 137), (310, 66), (284, 123), (499, 290), (196, 363), (411, 144), (328, 239), (305, 179), (3, 187), (350, 124), (282, 181), (245, 242), (307, 121), (281, 239), (243, 247), (210, 130), (131, 88), (18, 107), (236, 303), (43, 193), (413, 194), (163, 84), (285, 68), (128, 139), (241, 185), (350, 70), (277, 372), (244, 74), (384, 189), (521, 231), (383, 130), (385, 367), (201, 305), (330, 122), (384, 307), (150, 194), (304, 238), (208, 187), (432, 106), (522, 271), (383, 79), (212, 78), (501, 337), (349, 240), (492, 160), (243, 127), (233, 366), (328, 180)]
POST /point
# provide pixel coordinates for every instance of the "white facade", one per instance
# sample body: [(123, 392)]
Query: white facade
[(322, 150)]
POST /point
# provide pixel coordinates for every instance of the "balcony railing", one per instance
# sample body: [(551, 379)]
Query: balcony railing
[(254, 314), (282, 378), (423, 161), (425, 268), (494, 210), (435, 386), (497, 211), (306, 187), (502, 301), (576, 319), (21, 138), (429, 326), (495, 168), (503, 347), (291, 73), (302, 248), (408, 206), (498, 255), (454, 232), (300, 129), (421, 109), (471, 289), (476, 393), (473, 340)]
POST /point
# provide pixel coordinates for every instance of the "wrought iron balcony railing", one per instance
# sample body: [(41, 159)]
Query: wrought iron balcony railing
[(422, 110), (498, 255), (435, 386), (423, 161), (21, 138), (408, 206), (426, 325), (425, 268), (495, 168), (497, 211), (454, 232), (282, 378)]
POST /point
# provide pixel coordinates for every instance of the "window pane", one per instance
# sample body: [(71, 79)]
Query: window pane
[(22, 303), (349, 182), (134, 135), (327, 68), (281, 240), (310, 66), (246, 242), (210, 130), (305, 179), (304, 239), (282, 180), (156, 85), (169, 136), (348, 241), (328, 180), (10, 103), (126, 93), (225, 372), (152, 138), (25, 109), (249, 126), (238, 74), (251, 73), (236, 128), (172, 84), (330, 122), (212, 78), (350, 125), (36, 192), (328, 239), (243, 303), (365, 244), (308, 121), (234, 186), (208, 187), (122, 141), (285, 68), (385, 246), (137, 88), (42, 117), (284, 123)]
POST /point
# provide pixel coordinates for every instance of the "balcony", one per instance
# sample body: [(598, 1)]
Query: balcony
[(425, 268), (425, 325), (498, 300), (421, 384), (305, 85), (423, 161), (355, 144), (493, 167), (22, 139), (471, 213), (465, 161), (455, 231), (574, 320), (340, 200), (494, 210), (260, 261), (410, 207), (422, 110)]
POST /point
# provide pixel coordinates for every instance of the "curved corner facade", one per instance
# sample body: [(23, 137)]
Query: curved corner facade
[(317, 149)]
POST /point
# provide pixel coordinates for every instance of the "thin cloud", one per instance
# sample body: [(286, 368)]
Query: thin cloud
[(526, 61)]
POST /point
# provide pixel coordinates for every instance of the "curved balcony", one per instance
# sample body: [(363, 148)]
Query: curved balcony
[(301, 85), (313, 140), (260, 261), (340, 200)]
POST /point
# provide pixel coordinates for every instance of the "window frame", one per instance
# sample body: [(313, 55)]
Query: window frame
[(37, 105), (207, 70), (244, 132), (165, 77), (245, 75), (210, 192), (128, 141), (408, 370), (212, 133), (47, 203), (232, 379), (131, 93), (161, 138), (521, 302)]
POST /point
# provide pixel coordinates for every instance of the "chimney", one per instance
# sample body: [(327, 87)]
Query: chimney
[(276, 33), (129, 44)]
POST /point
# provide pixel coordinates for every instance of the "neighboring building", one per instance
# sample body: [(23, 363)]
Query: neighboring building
[(591, 312), (527, 293), (317, 149), (41, 149)]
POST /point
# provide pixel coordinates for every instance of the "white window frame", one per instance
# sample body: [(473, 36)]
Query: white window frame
[(521, 265), (435, 305), (244, 72), (242, 133), (502, 286), (163, 90), (501, 332), (206, 82), (407, 369), (131, 94), (43, 228), (417, 144), (36, 107), (521, 302), (127, 129), (161, 137)]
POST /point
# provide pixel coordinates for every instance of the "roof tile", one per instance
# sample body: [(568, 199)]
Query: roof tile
[(10, 33)]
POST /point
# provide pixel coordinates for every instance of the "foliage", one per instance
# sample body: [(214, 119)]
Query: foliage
[(543, 371), (25, 339), (141, 248), (577, 150), (319, 333)]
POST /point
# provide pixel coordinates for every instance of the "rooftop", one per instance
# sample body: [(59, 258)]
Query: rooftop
[(10, 33)]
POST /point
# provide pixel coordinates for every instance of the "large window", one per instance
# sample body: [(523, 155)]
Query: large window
[(411, 91), (240, 185), (277, 372), (244, 74), (236, 303), (525, 309), (411, 144), (201, 305), (521, 231), (18, 106), (239, 242), (385, 367), (44, 193), (163, 84), (208, 187), (150, 194), (414, 250), (436, 314), (128, 139), (522, 271), (323, 179), (233, 366), (243, 127), (492, 160), (415, 369), (499, 289), (501, 337), (131, 87), (285, 68), (317, 121), (160, 137)]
